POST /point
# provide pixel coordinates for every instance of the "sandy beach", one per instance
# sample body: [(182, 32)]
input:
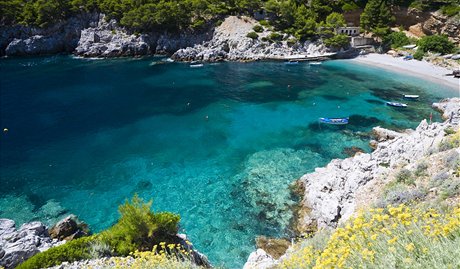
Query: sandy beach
[(421, 69)]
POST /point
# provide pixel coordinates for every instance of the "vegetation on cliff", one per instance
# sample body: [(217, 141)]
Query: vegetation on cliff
[(139, 233), (391, 237), (415, 222), (300, 18)]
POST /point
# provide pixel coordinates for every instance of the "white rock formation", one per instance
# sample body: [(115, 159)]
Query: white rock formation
[(19, 245), (230, 42), (259, 260)]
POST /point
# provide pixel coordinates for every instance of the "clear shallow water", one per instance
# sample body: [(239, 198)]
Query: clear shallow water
[(86, 134)]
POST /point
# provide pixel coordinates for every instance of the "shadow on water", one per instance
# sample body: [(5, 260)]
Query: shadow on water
[(375, 102), (386, 94), (360, 121), (334, 97)]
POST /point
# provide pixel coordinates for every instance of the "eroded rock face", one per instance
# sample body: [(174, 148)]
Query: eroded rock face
[(108, 40), (19, 245), (62, 37), (230, 42)]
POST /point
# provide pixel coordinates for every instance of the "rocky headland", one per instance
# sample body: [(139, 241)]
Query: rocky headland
[(332, 194), (17, 245)]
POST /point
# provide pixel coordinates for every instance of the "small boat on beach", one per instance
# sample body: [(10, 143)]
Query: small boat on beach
[(334, 121), (316, 63), (411, 96), (395, 104)]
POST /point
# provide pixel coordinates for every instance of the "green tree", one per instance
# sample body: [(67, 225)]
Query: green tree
[(396, 40), (337, 41), (335, 20), (436, 43), (376, 14)]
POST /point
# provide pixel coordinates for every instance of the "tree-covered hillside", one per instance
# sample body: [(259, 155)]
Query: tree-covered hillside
[(298, 17)]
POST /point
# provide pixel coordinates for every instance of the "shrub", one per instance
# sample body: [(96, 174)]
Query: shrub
[(264, 23), (392, 237), (436, 43), (451, 10), (258, 29), (252, 35), (74, 250), (419, 54), (421, 168), (396, 39), (139, 228), (274, 36), (404, 176)]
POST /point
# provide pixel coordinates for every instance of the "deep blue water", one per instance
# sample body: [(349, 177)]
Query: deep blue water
[(219, 145)]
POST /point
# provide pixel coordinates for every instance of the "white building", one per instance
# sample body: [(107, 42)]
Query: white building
[(349, 30)]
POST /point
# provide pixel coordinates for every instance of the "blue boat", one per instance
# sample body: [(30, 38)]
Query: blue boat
[(334, 121)]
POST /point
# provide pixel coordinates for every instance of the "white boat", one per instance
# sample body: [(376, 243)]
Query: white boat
[(410, 46), (456, 57), (291, 62), (395, 104), (196, 65), (411, 96), (316, 63)]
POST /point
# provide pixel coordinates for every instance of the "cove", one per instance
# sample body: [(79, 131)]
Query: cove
[(219, 145)]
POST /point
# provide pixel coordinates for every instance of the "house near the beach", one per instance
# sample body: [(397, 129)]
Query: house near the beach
[(348, 30)]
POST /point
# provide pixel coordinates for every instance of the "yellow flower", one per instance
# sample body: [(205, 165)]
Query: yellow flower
[(410, 247), (393, 240)]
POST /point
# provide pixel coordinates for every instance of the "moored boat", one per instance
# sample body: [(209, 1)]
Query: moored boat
[(396, 104), (411, 96), (196, 65), (316, 63), (291, 62), (334, 121)]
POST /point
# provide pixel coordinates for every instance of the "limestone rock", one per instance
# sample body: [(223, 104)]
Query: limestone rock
[(19, 245), (275, 247), (449, 108), (382, 134), (229, 41), (330, 191), (259, 260)]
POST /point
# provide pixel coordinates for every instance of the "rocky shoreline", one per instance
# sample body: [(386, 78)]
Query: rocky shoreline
[(91, 35), (17, 245), (333, 193)]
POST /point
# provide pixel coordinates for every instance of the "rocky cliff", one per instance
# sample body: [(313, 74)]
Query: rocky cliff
[(333, 193), (230, 41)]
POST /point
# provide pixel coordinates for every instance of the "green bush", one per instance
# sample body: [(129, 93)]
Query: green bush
[(337, 41), (258, 29), (139, 228), (74, 250), (451, 10), (436, 43), (252, 35), (264, 23), (275, 36), (419, 54), (396, 40), (404, 176)]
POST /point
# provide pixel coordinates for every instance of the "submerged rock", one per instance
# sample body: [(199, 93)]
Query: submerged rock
[(275, 247)]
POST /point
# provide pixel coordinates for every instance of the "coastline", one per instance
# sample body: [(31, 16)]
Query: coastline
[(422, 69)]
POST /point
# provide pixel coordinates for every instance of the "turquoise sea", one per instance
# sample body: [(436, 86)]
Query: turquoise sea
[(219, 144)]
